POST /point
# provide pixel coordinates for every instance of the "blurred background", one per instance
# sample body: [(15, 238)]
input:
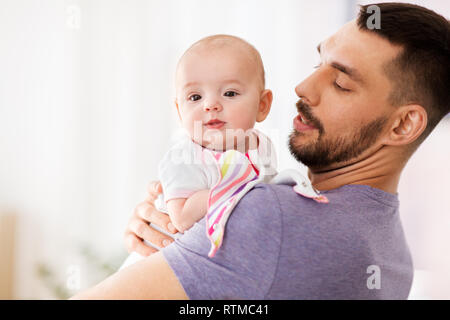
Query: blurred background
[(86, 113)]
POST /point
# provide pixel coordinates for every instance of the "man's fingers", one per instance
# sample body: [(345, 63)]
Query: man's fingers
[(154, 188), (143, 211), (137, 245), (147, 212), (144, 231), (138, 228), (151, 198)]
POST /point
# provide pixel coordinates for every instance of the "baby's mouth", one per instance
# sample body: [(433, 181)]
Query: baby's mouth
[(214, 124)]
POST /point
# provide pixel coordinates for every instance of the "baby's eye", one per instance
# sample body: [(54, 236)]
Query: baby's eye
[(195, 97), (230, 94)]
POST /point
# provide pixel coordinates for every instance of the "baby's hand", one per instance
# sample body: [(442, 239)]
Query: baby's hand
[(184, 213), (181, 219)]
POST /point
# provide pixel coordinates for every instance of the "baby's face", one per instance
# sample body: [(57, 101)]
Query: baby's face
[(218, 92)]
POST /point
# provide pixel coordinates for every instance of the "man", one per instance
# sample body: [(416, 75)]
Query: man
[(376, 95)]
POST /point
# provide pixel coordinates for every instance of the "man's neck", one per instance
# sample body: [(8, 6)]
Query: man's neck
[(380, 170)]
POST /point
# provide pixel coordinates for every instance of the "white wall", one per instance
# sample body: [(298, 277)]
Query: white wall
[(86, 110)]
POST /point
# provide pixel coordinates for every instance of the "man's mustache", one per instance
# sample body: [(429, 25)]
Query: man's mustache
[(306, 112)]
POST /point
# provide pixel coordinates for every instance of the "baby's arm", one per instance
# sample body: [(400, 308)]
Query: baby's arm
[(185, 212)]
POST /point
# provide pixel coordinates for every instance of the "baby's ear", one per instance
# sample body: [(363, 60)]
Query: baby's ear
[(178, 109), (265, 103)]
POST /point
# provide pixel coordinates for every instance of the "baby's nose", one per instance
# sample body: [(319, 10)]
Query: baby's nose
[(212, 107)]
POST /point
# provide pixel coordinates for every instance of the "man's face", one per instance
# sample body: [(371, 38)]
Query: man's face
[(344, 103)]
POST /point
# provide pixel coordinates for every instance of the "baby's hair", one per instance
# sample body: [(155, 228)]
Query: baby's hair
[(220, 40)]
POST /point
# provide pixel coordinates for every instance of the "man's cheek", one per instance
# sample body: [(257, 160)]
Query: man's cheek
[(336, 123)]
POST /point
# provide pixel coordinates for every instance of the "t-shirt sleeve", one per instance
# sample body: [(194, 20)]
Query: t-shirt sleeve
[(245, 265), (181, 173)]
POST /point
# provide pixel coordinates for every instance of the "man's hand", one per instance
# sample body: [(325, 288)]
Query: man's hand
[(139, 229)]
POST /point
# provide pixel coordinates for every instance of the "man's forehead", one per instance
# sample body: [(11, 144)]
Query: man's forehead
[(348, 37), (358, 49), (346, 30)]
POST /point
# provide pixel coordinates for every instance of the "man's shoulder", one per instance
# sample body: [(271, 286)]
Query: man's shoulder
[(271, 204), (267, 193), (268, 196), (345, 203), (278, 196), (347, 194)]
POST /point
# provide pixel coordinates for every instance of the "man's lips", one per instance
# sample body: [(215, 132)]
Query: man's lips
[(214, 124), (300, 124)]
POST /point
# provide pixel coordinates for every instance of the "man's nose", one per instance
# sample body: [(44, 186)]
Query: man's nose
[(310, 89), (217, 107)]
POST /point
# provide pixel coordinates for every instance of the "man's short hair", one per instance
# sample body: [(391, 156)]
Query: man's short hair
[(421, 72)]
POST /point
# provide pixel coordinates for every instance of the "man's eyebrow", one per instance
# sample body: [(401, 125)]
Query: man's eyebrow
[(351, 72)]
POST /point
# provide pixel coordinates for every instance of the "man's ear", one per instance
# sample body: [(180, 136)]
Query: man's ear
[(409, 123), (265, 103)]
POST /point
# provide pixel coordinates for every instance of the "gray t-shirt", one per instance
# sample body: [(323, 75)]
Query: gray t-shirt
[(281, 245)]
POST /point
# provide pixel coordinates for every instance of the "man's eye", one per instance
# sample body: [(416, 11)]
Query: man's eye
[(195, 97), (340, 88), (230, 94)]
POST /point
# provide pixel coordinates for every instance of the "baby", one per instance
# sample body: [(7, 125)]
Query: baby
[(220, 95)]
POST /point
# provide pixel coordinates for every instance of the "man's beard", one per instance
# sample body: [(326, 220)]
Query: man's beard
[(327, 151)]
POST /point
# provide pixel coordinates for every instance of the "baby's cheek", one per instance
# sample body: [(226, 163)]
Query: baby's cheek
[(245, 122), (191, 123)]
